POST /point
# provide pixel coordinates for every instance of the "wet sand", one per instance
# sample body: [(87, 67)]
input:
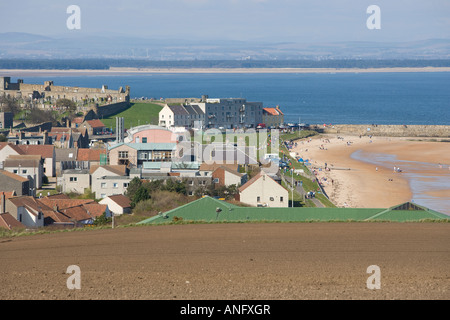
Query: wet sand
[(125, 71), (362, 170)]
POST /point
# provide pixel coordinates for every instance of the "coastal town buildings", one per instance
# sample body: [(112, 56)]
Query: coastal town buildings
[(219, 113)]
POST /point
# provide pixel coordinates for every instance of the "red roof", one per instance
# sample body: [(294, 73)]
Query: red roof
[(46, 151), (95, 123), (64, 203), (95, 209), (273, 111), (121, 200), (90, 154), (9, 222), (12, 146), (8, 194)]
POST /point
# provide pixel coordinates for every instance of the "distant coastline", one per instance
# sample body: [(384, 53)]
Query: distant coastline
[(125, 71)]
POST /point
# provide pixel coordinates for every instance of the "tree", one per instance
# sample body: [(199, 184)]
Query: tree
[(67, 105), (140, 195), (175, 186), (134, 185), (9, 104)]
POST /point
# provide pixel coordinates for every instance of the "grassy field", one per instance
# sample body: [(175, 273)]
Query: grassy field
[(138, 114)]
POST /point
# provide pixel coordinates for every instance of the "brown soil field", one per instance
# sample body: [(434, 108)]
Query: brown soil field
[(266, 261)]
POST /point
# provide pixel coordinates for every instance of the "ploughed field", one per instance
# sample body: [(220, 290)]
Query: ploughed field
[(232, 261)]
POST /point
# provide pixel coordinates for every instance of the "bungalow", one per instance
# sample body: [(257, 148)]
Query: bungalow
[(117, 204), (263, 191)]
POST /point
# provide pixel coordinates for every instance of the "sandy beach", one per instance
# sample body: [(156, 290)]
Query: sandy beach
[(125, 71), (361, 170)]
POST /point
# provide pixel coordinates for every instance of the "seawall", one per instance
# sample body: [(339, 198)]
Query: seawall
[(440, 131)]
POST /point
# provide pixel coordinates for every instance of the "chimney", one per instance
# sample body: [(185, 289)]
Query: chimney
[(55, 208), (45, 137)]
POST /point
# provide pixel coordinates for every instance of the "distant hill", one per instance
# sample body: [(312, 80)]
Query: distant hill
[(25, 45)]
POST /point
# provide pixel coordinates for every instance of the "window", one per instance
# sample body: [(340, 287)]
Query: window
[(191, 182), (258, 199), (144, 140), (271, 199), (73, 179), (115, 185), (137, 139), (125, 185), (103, 195), (216, 180), (103, 185), (281, 199), (15, 171), (123, 154)]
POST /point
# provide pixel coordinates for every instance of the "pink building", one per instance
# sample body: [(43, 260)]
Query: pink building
[(150, 134)]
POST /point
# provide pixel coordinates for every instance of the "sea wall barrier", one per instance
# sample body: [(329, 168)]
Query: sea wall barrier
[(429, 131)]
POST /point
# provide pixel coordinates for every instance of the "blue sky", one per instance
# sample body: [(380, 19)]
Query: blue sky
[(247, 20)]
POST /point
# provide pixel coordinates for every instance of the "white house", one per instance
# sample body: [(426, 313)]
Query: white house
[(180, 116), (109, 180), (26, 210), (263, 191), (118, 204)]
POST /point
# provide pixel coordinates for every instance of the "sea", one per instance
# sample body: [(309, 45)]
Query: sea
[(322, 98), (410, 98)]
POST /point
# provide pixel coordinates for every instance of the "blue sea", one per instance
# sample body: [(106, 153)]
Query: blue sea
[(340, 98)]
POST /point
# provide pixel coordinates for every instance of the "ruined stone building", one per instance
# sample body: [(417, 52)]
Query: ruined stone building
[(48, 92)]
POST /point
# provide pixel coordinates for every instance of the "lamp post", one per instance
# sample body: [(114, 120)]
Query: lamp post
[(292, 186)]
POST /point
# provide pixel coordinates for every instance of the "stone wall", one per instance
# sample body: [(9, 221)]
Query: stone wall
[(388, 130), (110, 109)]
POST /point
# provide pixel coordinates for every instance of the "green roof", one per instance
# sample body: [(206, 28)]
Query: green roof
[(205, 209)]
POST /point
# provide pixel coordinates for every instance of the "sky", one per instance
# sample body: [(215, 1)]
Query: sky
[(312, 21)]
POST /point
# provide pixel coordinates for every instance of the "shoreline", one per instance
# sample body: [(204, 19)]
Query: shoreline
[(130, 71), (369, 180)]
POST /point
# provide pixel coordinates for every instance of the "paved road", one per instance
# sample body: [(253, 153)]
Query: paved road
[(299, 188)]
